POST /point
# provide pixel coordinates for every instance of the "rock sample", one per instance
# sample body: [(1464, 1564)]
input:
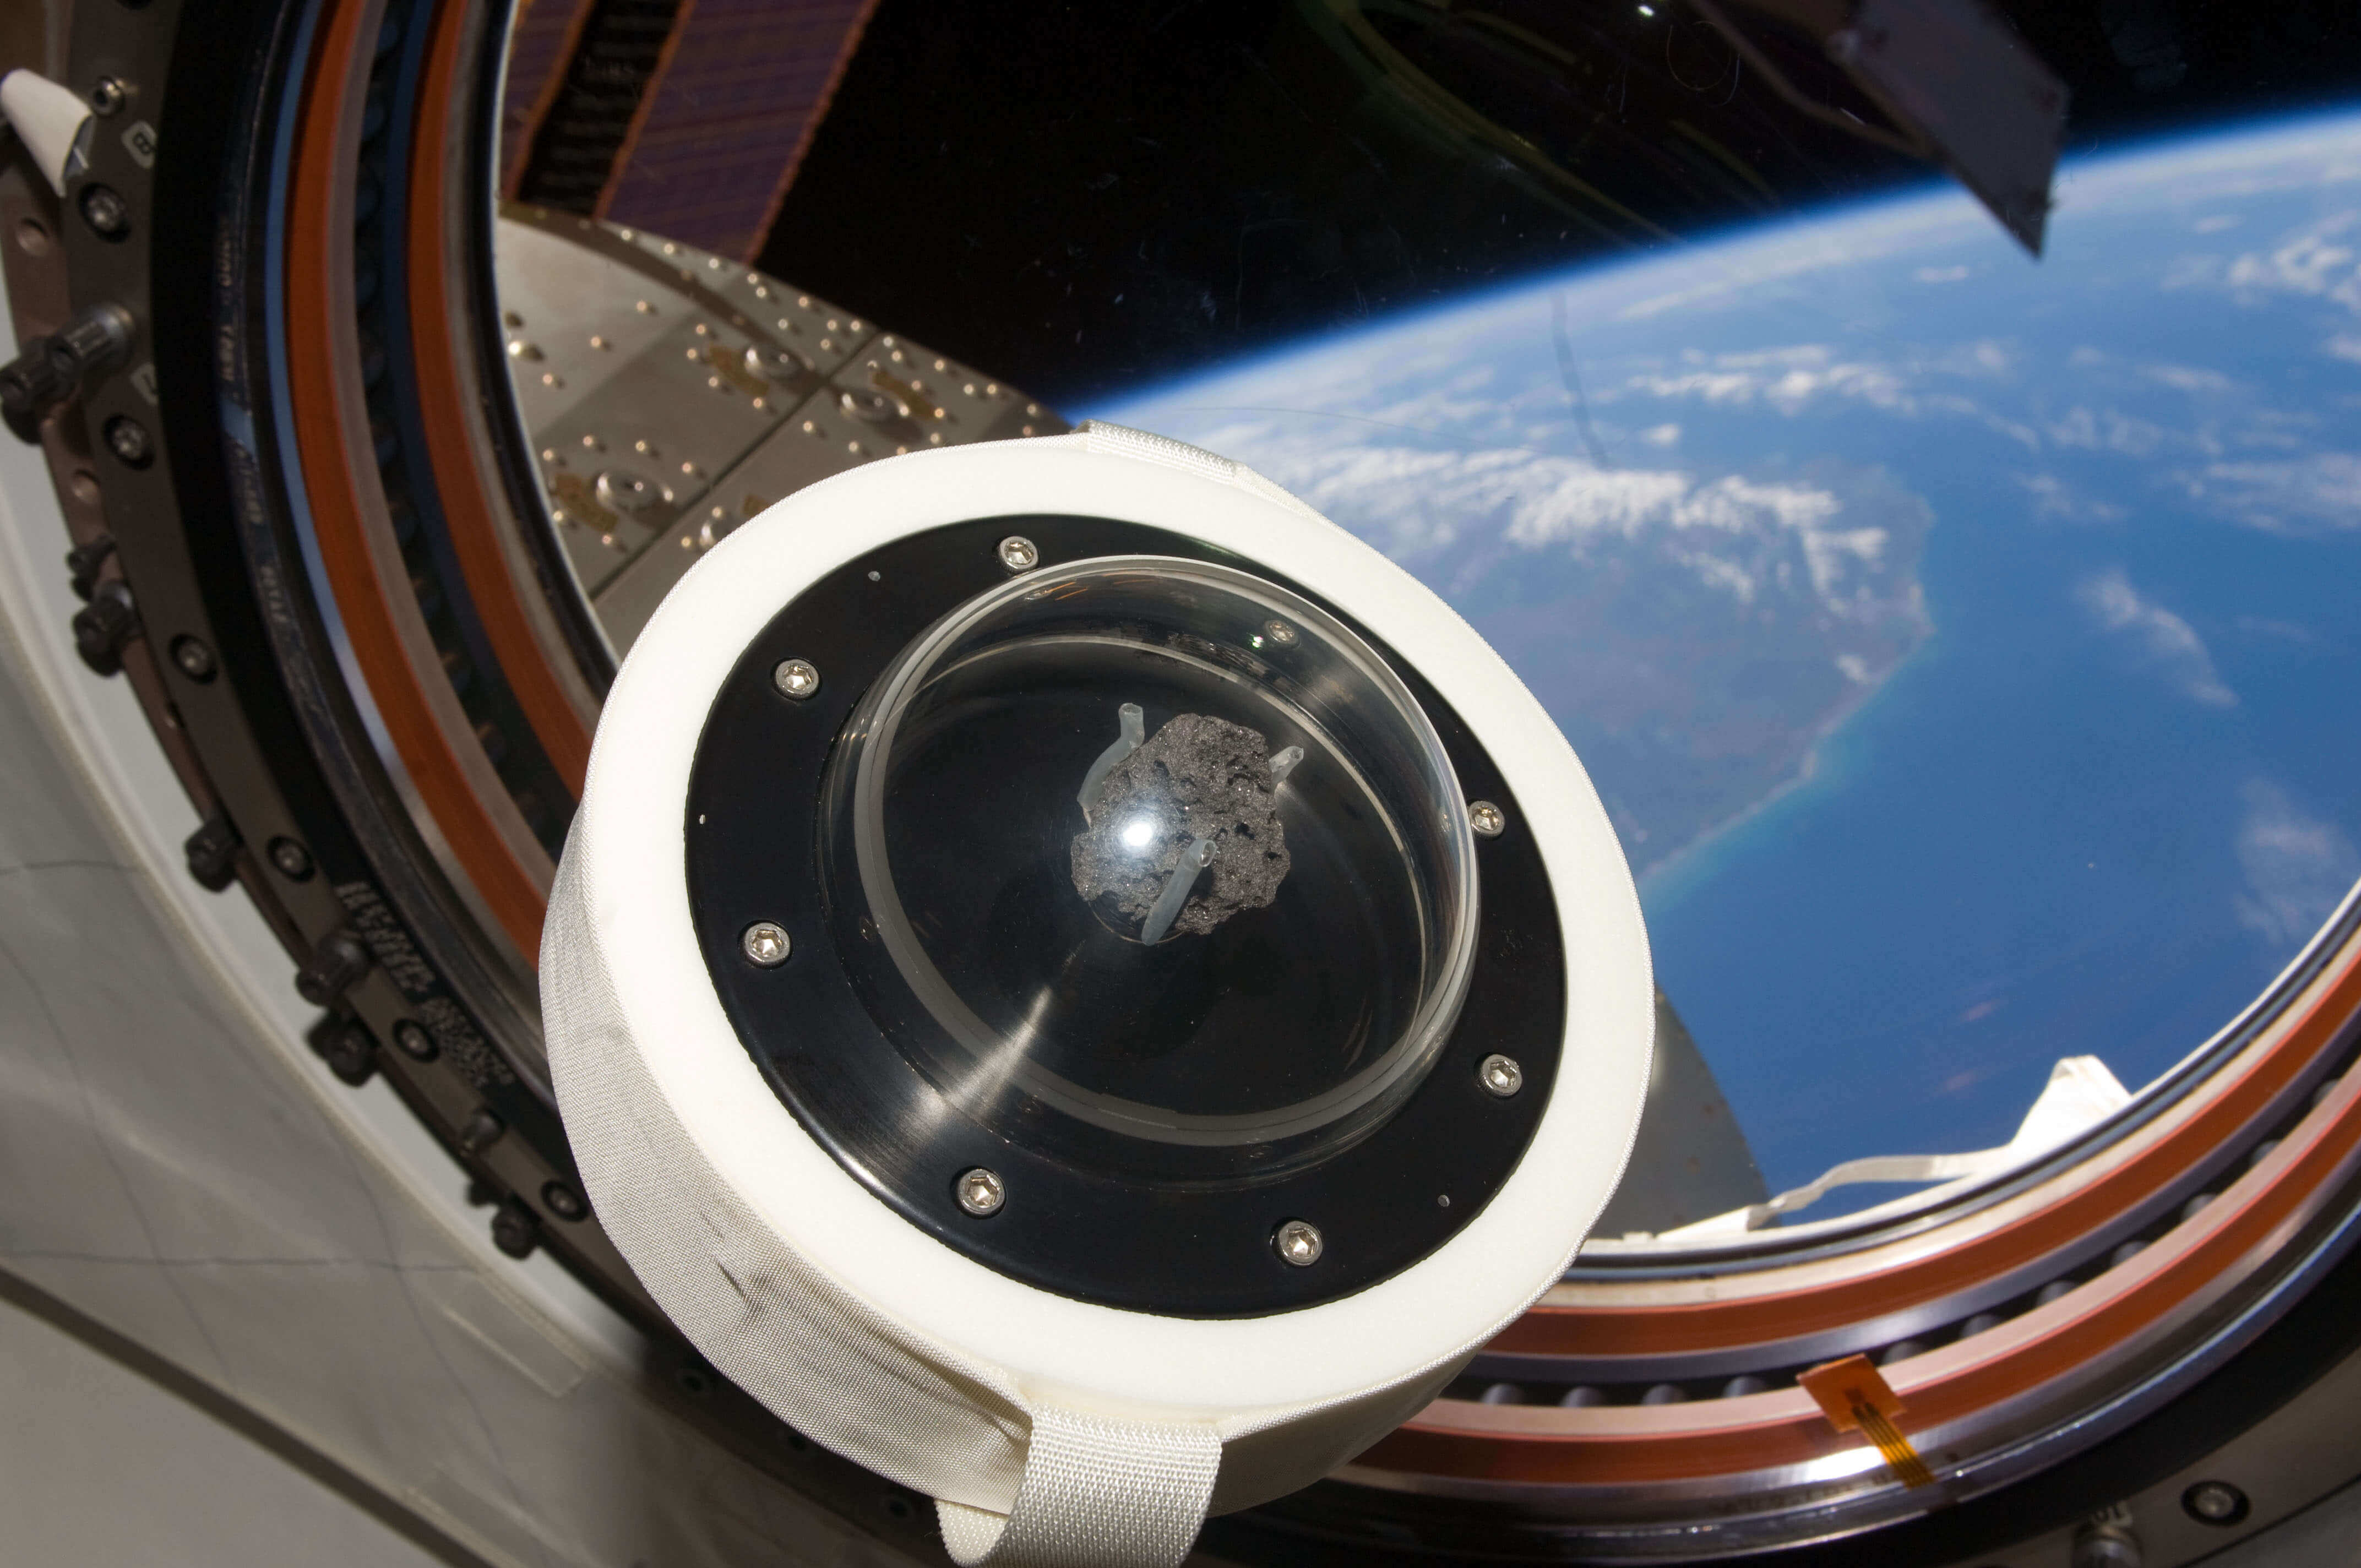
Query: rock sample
[(1198, 780)]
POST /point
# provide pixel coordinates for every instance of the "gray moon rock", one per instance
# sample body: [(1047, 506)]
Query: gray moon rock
[(1196, 777)]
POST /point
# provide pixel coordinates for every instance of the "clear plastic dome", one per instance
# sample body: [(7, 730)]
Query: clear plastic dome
[(1148, 863)]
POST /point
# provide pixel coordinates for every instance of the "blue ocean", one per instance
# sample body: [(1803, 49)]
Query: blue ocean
[(1966, 646)]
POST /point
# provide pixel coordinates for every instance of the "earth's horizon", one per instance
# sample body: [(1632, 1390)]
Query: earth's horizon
[(1949, 634)]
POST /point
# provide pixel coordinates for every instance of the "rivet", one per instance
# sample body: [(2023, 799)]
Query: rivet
[(1020, 554), (106, 210), (764, 945), (294, 862), (1298, 1242), (2215, 1502), (415, 1041), (564, 1202), (107, 96), (1489, 820), (1278, 631), (1500, 1075), (195, 659), (979, 1192), (129, 441), (796, 678)]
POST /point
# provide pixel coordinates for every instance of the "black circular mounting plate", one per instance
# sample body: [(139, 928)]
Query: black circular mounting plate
[(1202, 1250)]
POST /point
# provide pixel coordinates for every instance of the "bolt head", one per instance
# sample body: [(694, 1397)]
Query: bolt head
[(623, 490), (1297, 1242), (415, 1041), (480, 1131), (106, 210), (129, 441), (564, 1202), (1489, 820), (2106, 1547), (194, 658), (796, 678), (293, 861), (1020, 554), (1278, 631), (765, 945), (106, 97), (351, 1055), (1500, 1075), (979, 1192), (514, 1230), (2215, 1502)]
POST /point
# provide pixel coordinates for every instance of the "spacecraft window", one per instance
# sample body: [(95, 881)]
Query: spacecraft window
[(1946, 630)]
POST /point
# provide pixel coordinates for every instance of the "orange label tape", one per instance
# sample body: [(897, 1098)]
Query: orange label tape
[(1855, 1397)]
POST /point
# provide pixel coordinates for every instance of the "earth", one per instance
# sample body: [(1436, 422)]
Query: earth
[(1965, 645)]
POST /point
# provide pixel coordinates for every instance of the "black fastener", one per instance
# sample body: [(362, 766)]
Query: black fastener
[(336, 964), (83, 560), (481, 1130), (212, 852), (516, 1229), (347, 1047), (101, 627)]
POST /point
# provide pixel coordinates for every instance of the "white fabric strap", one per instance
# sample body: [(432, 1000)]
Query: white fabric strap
[(1097, 1494)]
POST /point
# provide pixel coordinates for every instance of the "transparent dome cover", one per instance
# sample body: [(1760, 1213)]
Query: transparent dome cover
[(1151, 864)]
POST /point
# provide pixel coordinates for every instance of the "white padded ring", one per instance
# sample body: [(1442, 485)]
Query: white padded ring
[(884, 1344)]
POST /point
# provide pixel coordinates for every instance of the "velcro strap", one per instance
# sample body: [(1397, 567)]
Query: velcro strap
[(1096, 1494)]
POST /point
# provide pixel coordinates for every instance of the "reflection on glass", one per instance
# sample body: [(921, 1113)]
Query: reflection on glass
[(670, 394)]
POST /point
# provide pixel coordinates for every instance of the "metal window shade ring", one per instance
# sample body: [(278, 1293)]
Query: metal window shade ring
[(870, 1334)]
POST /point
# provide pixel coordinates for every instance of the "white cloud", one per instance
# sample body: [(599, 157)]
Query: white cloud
[(2187, 378), (1553, 502), (2052, 497), (2297, 866), (2108, 430), (2344, 346), (2314, 495), (1733, 533), (2317, 262), (1940, 274), (2163, 639), (1661, 435), (1786, 379)]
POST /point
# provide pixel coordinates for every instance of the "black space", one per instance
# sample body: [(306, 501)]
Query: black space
[(1082, 197)]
